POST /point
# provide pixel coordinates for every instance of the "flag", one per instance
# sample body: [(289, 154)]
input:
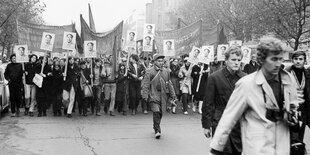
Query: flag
[(222, 37), (91, 19)]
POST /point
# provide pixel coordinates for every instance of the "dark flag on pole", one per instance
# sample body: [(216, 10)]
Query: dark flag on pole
[(91, 19), (221, 36)]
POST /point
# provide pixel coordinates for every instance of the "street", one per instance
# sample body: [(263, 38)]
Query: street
[(105, 135)]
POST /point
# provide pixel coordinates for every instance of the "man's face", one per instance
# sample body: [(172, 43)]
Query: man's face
[(234, 62), (169, 46), (21, 51), (272, 63), (33, 59), (48, 39), (13, 59), (207, 51), (90, 47), (69, 38), (131, 36), (148, 41), (71, 61), (159, 63), (98, 63), (149, 29), (196, 52), (299, 62), (223, 49), (254, 57)]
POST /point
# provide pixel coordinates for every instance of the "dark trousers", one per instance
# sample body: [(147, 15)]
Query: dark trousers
[(42, 105), (97, 98), (84, 104), (134, 95), (156, 121), (57, 102), (185, 98), (15, 97), (145, 105)]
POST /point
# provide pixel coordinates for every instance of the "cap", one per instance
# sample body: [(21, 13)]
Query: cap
[(186, 58), (158, 56)]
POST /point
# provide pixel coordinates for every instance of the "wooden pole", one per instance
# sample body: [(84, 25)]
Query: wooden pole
[(66, 66), (127, 63), (199, 80), (91, 72)]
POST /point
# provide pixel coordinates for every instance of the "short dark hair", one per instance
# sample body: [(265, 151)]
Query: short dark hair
[(13, 55), (69, 34), (169, 42), (135, 57), (148, 37), (90, 43), (132, 33), (299, 53), (48, 35), (23, 48), (149, 26)]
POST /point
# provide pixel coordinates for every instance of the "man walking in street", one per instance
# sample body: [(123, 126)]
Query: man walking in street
[(157, 84), (220, 86), (263, 103)]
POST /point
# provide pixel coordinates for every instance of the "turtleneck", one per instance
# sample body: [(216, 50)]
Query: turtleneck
[(298, 72)]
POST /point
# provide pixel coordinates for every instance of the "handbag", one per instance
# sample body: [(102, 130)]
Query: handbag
[(87, 90), (37, 80)]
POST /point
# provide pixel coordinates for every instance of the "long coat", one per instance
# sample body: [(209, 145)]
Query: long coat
[(219, 88), (260, 136), (198, 95), (186, 81)]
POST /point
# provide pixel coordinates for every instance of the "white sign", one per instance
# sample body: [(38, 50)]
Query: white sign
[(47, 41), (149, 30), (169, 49), (221, 49), (235, 43), (69, 41), (207, 54), (193, 55), (21, 52), (148, 43), (246, 52), (90, 49)]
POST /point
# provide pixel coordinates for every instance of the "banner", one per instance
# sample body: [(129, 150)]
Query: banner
[(31, 35), (184, 39), (105, 41)]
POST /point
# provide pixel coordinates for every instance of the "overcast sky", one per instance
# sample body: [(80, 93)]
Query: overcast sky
[(107, 13)]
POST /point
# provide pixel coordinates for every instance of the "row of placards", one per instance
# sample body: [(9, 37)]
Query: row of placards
[(206, 54)]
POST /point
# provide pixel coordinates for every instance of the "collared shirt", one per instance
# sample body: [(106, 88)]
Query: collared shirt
[(275, 85)]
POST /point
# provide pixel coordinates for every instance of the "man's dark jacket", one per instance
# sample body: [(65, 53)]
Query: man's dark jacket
[(14, 73), (250, 67), (218, 91)]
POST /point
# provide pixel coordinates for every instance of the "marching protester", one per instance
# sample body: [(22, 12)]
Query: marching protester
[(85, 85), (13, 74), (57, 80), (97, 86), (199, 70), (44, 92), (252, 66), (70, 87), (122, 90), (157, 84), (220, 86), (302, 81), (186, 83), (175, 68), (109, 82), (264, 103), (31, 69), (135, 74)]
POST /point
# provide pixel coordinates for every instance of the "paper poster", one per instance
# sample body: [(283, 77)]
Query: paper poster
[(69, 41), (148, 43), (207, 54), (246, 52), (221, 49), (21, 52), (169, 49), (235, 43), (47, 41), (131, 39), (90, 49), (194, 55), (149, 30)]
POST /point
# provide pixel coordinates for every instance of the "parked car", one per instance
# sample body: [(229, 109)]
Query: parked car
[(4, 91)]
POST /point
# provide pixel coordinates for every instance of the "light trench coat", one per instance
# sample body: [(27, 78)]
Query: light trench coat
[(259, 135)]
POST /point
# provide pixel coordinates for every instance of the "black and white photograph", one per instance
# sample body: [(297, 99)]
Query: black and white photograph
[(154, 77)]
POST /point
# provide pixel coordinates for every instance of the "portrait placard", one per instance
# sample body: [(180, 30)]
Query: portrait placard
[(221, 49), (148, 43), (47, 41), (90, 49), (21, 52), (169, 48), (207, 54), (149, 30), (246, 52), (193, 55), (69, 41)]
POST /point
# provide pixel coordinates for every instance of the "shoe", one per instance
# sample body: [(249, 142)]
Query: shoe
[(44, 114), (194, 108), (13, 115), (31, 114), (133, 112), (185, 113), (26, 111), (85, 114), (173, 110), (145, 112), (69, 115), (39, 115), (111, 113), (98, 114), (105, 109), (157, 135), (55, 114), (124, 113)]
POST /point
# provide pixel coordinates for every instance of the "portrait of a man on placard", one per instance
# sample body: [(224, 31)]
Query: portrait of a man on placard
[(69, 41), (148, 43), (169, 49), (90, 49), (21, 52), (149, 29), (221, 49), (131, 39), (47, 41)]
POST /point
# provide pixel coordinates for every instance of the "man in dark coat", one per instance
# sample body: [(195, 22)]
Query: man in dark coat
[(302, 82), (13, 74), (252, 66), (157, 85), (220, 86)]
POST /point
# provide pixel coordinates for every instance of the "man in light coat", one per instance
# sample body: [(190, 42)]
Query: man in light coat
[(261, 102)]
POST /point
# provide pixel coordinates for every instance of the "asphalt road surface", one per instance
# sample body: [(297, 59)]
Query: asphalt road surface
[(104, 135)]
